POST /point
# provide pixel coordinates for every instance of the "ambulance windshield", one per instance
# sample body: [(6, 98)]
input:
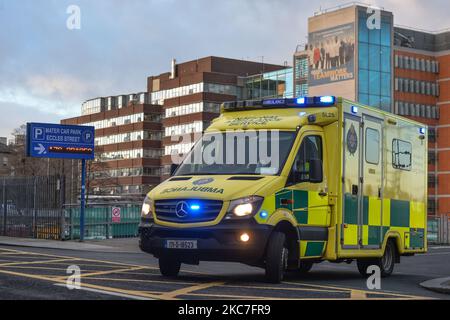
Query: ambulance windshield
[(252, 152)]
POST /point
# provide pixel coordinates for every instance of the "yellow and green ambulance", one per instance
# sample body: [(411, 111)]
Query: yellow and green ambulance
[(344, 182)]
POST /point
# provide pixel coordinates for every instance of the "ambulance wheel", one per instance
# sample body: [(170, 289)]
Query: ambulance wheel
[(385, 263), (169, 267), (276, 257), (305, 267)]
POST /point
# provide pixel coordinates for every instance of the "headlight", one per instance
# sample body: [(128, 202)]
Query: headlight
[(147, 208), (244, 207)]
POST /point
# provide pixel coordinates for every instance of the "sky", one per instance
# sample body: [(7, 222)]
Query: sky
[(48, 70)]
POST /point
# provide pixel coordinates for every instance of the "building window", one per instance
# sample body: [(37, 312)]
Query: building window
[(432, 181), (432, 135), (432, 206), (431, 157)]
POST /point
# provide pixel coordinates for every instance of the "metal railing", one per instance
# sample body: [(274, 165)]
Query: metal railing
[(31, 206), (102, 220), (439, 229)]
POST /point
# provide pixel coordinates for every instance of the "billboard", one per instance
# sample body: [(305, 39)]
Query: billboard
[(331, 55)]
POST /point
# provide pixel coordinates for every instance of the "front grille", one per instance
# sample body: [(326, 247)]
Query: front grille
[(189, 211)]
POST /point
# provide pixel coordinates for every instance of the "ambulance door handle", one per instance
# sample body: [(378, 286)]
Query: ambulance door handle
[(379, 193), (355, 190), (323, 194)]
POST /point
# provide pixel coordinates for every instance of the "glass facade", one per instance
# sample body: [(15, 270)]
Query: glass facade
[(375, 62), (113, 102), (270, 85), (301, 74)]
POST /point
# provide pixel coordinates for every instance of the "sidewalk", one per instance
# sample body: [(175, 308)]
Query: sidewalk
[(441, 285), (127, 245)]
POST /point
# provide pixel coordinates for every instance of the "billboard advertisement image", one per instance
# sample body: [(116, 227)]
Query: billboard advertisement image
[(331, 54)]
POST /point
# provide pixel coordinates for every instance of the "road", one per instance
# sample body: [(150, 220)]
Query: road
[(32, 273)]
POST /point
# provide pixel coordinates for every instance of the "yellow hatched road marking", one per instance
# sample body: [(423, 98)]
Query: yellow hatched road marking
[(98, 273), (358, 295), (365, 291), (35, 262), (184, 291), (46, 278), (145, 281)]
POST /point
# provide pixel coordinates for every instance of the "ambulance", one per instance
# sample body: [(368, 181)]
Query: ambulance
[(346, 182)]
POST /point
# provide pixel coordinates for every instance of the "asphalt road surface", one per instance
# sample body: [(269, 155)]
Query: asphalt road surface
[(32, 273)]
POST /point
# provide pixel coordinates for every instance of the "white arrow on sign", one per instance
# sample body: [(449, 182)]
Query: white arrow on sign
[(40, 149)]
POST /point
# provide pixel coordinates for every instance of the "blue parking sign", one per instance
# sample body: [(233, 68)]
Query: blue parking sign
[(45, 140)]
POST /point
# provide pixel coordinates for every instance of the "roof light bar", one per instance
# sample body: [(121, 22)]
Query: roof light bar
[(305, 102)]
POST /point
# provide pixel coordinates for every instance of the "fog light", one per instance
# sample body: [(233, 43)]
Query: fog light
[(245, 237)]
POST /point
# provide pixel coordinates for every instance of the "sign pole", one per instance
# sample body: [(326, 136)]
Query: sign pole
[(83, 198)]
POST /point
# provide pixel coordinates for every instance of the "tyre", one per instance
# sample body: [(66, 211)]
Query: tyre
[(169, 267), (305, 267), (385, 263), (276, 257)]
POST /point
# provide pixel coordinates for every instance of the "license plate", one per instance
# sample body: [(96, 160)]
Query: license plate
[(181, 244)]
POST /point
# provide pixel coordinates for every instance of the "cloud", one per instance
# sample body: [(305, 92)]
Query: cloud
[(64, 87)]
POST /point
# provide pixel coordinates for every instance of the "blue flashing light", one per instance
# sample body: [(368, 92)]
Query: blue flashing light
[(195, 207), (354, 110), (422, 130), (263, 214), (301, 100), (327, 99)]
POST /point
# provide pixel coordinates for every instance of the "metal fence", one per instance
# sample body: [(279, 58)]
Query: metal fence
[(103, 220), (439, 229), (31, 207)]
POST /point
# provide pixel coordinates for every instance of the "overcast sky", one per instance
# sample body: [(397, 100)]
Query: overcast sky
[(47, 70)]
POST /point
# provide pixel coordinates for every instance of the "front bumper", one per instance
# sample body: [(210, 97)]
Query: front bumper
[(215, 243)]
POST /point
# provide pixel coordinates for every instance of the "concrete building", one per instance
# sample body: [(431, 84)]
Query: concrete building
[(422, 92), (128, 144)]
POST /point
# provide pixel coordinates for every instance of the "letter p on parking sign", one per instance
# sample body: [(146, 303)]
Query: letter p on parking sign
[(38, 134)]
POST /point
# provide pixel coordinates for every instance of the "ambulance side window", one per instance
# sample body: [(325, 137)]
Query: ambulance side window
[(310, 149), (401, 154)]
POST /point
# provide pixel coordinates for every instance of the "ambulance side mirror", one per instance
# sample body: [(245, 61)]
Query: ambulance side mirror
[(315, 171)]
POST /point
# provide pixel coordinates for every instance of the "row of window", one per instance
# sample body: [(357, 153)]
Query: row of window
[(416, 110), (193, 127), (193, 108), (411, 63), (158, 97), (112, 102), (181, 148), (130, 154), (119, 121), (126, 172), (129, 136), (417, 86)]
